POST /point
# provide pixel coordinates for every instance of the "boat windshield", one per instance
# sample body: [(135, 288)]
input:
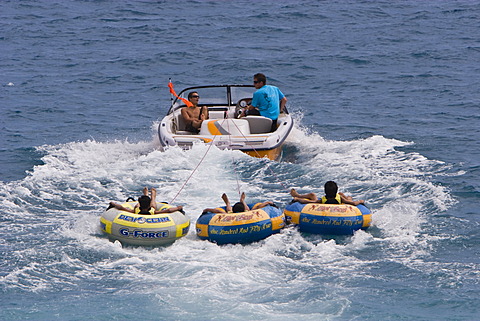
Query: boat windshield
[(225, 95)]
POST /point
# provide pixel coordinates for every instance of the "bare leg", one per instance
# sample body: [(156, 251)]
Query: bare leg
[(242, 200), (349, 200), (145, 192), (310, 196), (227, 203), (345, 197), (153, 202)]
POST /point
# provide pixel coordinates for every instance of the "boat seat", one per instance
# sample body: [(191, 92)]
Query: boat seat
[(259, 124), (179, 124), (181, 127), (216, 114), (178, 120)]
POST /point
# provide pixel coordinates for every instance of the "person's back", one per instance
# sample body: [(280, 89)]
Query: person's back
[(267, 99)]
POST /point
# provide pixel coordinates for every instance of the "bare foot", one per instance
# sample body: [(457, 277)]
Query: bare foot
[(294, 193), (242, 197), (225, 198)]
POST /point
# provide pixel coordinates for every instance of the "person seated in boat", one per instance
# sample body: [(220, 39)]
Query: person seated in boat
[(332, 196), (194, 115), (267, 101), (237, 207), (146, 205)]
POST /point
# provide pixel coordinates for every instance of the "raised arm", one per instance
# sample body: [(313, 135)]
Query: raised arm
[(204, 114)]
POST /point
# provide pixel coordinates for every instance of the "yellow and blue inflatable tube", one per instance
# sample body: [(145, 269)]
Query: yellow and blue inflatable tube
[(317, 218), (147, 230), (243, 227)]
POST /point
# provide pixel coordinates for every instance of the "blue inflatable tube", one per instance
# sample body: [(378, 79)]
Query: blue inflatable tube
[(244, 227), (328, 218)]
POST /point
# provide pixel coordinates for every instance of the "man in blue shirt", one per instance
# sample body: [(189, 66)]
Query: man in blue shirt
[(267, 101)]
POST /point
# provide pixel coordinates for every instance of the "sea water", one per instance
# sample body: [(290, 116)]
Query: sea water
[(386, 103)]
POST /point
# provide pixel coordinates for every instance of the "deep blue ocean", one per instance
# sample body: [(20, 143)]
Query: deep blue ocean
[(386, 101)]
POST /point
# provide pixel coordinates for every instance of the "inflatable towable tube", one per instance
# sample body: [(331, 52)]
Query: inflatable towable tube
[(243, 227), (328, 218), (139, 229)]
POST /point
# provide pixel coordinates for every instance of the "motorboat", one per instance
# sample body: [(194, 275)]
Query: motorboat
[(224, 127)]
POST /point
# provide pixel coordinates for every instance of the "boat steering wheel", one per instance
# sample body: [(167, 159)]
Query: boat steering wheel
[(241, 104)]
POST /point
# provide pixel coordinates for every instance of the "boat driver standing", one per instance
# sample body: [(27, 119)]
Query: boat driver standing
[(267, 101)]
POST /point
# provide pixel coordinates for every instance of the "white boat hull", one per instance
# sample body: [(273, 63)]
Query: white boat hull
[(250, 134)]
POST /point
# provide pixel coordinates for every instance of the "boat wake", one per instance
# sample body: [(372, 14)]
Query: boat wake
[(55, 212)]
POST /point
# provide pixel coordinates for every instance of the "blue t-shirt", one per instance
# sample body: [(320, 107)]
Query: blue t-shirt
[(267, 100)]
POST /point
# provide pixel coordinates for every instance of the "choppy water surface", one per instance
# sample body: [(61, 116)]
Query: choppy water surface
[(385, 99)]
